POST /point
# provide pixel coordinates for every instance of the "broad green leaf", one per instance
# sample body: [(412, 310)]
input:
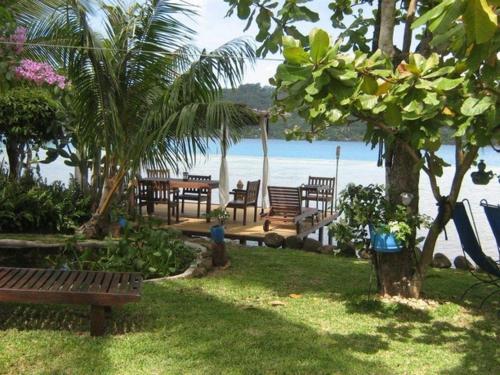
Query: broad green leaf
[(319, 42), (440, 72), (446, 84), (475, 106), (367, 102), (334, 115), (292, 73), (432, 14), (480, 21), (243, 9), (296, 55), (369, 85), (392, 115), (290, 41)]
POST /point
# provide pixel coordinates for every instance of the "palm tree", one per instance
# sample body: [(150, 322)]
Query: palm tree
[(142, 93)]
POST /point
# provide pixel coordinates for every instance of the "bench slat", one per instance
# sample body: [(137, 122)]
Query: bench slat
[(113, 286), (96, 285), (13, 280), (23, 280), (70, 280), (43, 279), (34, 279), (60, 281), (52, 279)]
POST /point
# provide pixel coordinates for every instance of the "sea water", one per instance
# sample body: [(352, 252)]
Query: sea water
[(291, 163)]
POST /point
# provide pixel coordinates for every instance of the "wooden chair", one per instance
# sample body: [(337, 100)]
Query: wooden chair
[(325, 197), (149, 193), (196, 195), (158, 173), (245, 198), (100, 290), (286, 207)]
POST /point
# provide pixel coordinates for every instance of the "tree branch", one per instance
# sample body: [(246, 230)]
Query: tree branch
[(410, 17)]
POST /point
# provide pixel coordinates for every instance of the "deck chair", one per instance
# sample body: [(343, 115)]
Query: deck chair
[(244, 199), (286, 207), (472, 247), (196, 195), (493, 215)]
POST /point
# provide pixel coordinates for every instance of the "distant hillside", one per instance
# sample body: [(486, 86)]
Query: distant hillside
[(260, 97)]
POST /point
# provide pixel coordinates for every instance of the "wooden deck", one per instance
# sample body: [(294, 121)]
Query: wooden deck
[(190, 225)]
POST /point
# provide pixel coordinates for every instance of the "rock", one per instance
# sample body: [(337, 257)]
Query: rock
[(347, 250), (294, 242), (365, 254), (207, 263), (274, 240), (327, 249), (461, 263), (312, 245), (440, 261)]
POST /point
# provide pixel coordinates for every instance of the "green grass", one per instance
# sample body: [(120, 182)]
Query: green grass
[(226, 323)]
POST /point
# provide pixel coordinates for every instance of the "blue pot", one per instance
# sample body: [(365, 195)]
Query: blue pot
[(122, 222), (217, 233), (383, 242)]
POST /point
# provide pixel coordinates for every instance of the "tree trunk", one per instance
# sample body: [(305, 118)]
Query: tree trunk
[(12, 148), (387, 21), (98, 225), (396, 272)]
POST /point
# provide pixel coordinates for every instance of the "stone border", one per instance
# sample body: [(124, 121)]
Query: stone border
[(198, 267)]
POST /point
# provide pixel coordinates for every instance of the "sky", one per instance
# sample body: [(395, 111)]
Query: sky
[(214, 29)]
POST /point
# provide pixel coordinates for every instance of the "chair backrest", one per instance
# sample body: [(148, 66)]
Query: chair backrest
[(493, 215), (252, 194), (284, 201), (158, 173), (326, 181), (469, 241), (194, 177)]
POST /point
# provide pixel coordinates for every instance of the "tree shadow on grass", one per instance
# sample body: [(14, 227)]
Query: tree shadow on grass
[(198, 332)]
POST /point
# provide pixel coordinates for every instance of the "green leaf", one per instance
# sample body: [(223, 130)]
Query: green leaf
[(292, 73), (296, 55), (370, 85), (480, 21), (244, 8), (334, 115), (367, 101), (319, 42), (446, 84), (431, 14), (392, 115), (475, 106)]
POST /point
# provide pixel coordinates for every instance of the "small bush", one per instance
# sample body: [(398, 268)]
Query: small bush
[(152, 252), (31, 205)]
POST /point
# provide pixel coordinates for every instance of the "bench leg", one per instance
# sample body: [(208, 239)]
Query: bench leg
[(97, 320)]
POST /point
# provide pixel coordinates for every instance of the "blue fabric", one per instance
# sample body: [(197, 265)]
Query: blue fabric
[(469, 241), (493, 215), (384, 242)]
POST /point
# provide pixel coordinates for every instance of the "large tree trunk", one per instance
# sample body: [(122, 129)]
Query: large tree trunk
[(396, 272)]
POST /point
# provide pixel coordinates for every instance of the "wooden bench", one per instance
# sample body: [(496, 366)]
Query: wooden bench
[(100, 290)]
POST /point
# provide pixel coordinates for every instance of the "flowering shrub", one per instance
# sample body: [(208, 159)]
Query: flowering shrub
[(26, 69), (39, 73)]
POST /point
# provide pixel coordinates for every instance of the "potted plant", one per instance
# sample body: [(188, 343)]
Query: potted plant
[(217, 230), (369, 220)]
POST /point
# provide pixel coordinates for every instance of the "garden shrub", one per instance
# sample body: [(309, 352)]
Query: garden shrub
[(31, 205), (151, 251)]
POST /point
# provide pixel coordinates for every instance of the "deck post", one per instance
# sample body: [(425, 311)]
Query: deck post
[(97, 320), (320, 234)]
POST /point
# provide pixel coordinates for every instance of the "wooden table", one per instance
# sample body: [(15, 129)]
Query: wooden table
[(173, 184)]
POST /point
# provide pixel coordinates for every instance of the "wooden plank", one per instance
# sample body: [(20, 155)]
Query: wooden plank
[(3, 272), (55, 275), (43, 279), (96, 285), (9, 276), (24, 279), (13, 280), (59, 283), (106, 281), (35, 279), (87, 281), (113, 285), (70, 280), (124, 283), (78, 281)]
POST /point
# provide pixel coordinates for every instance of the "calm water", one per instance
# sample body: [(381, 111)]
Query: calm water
[(292, 162)]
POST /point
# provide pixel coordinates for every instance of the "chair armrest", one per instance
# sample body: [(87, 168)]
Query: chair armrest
[(238, 191)]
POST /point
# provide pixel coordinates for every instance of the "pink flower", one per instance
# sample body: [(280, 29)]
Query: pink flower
[(39, 73), (19, 38)]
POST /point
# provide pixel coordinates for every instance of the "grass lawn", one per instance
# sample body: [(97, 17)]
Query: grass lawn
[(229, 323)]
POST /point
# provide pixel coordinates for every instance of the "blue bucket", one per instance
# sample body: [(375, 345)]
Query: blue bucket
[(217, 233), (383, 242)]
